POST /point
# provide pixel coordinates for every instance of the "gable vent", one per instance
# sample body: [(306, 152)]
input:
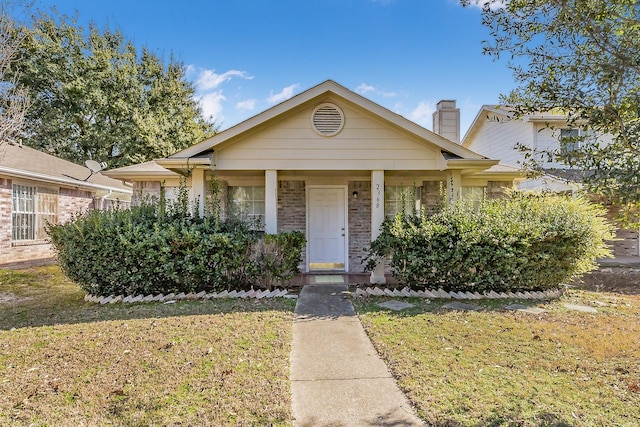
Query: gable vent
[(328, 119)]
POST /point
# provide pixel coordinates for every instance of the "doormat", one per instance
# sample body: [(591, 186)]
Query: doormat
[(324, 280)]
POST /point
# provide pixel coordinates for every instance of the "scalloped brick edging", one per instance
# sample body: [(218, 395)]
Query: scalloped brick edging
[(406, 292), (254, 294)]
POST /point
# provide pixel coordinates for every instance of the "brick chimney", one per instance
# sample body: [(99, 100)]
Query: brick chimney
[(446, 120)]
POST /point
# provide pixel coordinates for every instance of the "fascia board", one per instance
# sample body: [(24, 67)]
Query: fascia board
[(64, 181)]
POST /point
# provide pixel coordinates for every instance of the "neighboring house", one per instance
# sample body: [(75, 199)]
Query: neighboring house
[(494, 133), (330, 163), (36, 188)]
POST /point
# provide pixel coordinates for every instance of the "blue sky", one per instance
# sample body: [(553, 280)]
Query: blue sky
[(247, 55)]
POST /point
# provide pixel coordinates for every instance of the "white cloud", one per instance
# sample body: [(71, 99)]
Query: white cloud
[(248, 104), (208, 79), (209, 89), (423, 113), (211, 104), (283, 95), (364, 88)]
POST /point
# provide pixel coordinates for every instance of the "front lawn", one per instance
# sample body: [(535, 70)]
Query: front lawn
[(504, 368), (64, 362)]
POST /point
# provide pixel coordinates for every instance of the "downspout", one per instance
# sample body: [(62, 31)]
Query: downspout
[(102, 199)]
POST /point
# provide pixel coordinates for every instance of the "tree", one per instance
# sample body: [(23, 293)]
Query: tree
[(95, 97), (580, 57), (13, 98)]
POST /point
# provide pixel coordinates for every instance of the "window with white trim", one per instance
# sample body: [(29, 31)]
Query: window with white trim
[(573, 140), (247, 203), (31, 209), (401, 199)]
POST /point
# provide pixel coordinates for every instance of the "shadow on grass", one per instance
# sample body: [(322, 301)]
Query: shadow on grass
[(44, 297), (27, 314)]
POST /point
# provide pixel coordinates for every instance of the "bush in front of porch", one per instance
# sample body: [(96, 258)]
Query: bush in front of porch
[(154, 248), (523, 242)]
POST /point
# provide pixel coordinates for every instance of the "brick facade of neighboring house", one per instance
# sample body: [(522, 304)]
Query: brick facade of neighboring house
[(33, 252), (36, 188), (626, 241)]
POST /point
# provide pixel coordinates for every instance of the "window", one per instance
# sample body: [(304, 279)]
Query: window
[(473, 195), (573, 140), (401, 199), (247, 203), (32, 208)]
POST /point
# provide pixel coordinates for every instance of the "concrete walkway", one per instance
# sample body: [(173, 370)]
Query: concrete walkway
[(337, 377)]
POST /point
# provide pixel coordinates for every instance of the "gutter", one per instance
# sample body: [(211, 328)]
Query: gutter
[(66, 181)]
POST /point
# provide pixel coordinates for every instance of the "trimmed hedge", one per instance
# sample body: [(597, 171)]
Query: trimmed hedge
[(519, 243), (152, 249)]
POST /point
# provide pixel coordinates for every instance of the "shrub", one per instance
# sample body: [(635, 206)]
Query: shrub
[(521, 242), (152, 248), (278, 257)]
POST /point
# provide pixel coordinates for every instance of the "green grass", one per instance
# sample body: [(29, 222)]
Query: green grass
[(64, 362), (503, 368)]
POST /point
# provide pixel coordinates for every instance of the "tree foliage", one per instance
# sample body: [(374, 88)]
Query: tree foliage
[(95, 96), (581, 58), (13, 98)]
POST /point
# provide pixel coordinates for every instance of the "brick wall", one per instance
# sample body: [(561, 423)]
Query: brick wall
[(71, 201), (144, 189), (359, 224), (433, 196), (292, 210), (5, 220), (626, 243), (15, 254)]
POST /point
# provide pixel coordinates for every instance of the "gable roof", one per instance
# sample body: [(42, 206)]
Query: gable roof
[(297, 102), (481, 118), (26, 162), (506, 112)]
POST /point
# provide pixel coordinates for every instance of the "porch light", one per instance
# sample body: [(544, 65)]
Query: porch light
[(355, 194)]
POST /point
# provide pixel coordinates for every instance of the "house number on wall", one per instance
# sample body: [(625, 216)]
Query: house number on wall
[(378, 194)]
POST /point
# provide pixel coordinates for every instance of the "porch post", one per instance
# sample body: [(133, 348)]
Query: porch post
[(377, 217), (271, 201), (454, 187), (199, 188)]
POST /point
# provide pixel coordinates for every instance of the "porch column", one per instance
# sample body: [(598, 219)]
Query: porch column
[(271, 201), (377, 217), (454, 187), (199, 188)]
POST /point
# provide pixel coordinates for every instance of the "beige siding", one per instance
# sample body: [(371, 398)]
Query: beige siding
[(363, 144), (548, 140), (497, 140)]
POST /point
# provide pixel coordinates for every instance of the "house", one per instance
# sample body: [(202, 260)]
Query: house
[(332, 164), (36, 188), (496, 134)]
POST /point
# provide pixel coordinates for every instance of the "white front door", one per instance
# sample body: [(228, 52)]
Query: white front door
[(327, 228)]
